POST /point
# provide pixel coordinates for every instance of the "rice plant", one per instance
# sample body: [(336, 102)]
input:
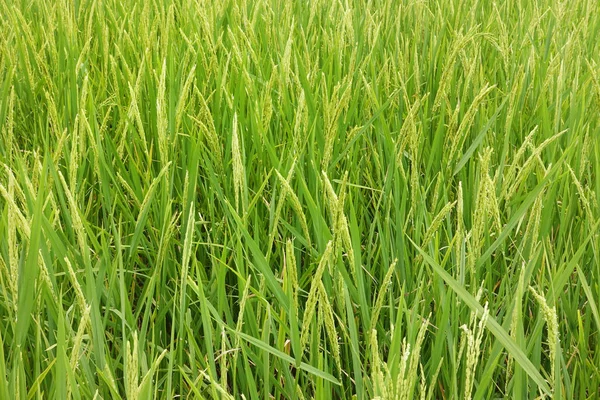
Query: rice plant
[(354, 199)]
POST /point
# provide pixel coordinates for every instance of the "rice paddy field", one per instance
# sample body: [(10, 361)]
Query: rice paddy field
[(262, 199)]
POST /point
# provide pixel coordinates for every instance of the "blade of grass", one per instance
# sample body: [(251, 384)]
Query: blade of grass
[(493, 326)]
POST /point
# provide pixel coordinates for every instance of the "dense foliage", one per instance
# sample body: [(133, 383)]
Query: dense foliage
[(299, 199)]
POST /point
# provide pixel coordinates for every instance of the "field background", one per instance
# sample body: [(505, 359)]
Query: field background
[(299, 199)]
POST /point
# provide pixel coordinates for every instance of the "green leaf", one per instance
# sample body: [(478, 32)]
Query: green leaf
[(467, 155), (30, 269), (494, 327), (277, 353)]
